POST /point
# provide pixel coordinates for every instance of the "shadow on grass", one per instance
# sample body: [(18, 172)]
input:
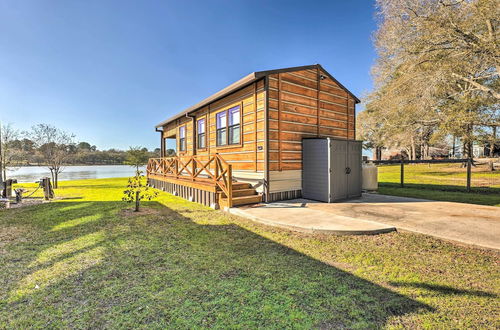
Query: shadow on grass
[(444, 289), (443, 187), (88, 264), (439, 195), (92, 186), (460, 174)]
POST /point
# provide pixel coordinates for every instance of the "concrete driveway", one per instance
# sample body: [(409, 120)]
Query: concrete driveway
[(466, 223)]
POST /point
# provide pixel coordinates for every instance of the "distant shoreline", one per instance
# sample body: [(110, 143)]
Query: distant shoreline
[(72, 172), (44, 165)]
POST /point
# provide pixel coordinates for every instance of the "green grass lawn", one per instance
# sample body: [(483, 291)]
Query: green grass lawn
[(87, 262), (446, 182)]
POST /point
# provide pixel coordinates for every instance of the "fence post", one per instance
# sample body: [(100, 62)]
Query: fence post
[(402, 173), (469, 172), (48, 193)]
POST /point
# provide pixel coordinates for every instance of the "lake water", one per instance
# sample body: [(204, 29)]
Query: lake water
[(34, 173)]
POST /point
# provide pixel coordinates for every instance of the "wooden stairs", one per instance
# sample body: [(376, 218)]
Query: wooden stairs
[(243, 194)]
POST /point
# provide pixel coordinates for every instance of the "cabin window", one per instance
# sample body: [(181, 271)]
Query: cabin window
[(182, 138), (221, 128), (234, 125), (228, 126), (201, 134)]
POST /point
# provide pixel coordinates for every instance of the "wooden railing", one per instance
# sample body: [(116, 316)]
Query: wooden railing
[(215, 170)]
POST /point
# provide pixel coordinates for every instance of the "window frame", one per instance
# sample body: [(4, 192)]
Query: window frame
[(217, 129), (230, 128), (227, 127), (204, 118), (182, 140)]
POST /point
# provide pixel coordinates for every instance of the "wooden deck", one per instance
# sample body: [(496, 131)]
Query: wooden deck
[(192, 179)]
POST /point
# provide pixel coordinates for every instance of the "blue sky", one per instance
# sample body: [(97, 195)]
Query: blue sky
[(109, 71)]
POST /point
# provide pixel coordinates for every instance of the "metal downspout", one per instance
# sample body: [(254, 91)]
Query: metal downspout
[(162, 142)]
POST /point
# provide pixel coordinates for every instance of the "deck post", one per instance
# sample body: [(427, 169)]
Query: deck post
[(176, 160), (230, 185), (193, 167), (216, 160)]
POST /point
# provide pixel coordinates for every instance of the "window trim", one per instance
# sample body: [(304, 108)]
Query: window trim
[(184, 138), (226, 110), (222, 128), (204, 118)]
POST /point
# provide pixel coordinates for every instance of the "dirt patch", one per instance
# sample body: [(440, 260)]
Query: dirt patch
[(143, 211), (27, 202), (9, 235)]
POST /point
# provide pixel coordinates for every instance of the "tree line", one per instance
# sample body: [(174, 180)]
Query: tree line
[(47, 145), (436, 77)]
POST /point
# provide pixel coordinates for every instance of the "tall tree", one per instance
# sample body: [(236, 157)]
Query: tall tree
[(438, 68), (84, 146), (54, 146), (441, 43)]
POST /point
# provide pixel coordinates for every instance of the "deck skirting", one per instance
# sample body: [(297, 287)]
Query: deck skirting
[(282, 195), (204, 197)]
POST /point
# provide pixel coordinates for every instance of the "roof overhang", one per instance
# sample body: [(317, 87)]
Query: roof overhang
[(220, 94), (245, 81)]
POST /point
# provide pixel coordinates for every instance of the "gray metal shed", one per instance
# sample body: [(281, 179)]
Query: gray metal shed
[(331, 169)]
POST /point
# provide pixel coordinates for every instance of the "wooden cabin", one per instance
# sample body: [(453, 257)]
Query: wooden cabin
[(242, 145)]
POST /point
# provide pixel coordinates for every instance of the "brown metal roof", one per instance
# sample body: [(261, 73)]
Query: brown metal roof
[(252, 77)]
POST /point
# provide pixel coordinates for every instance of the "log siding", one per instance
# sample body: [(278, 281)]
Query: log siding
[(302, 104), (246, 156)]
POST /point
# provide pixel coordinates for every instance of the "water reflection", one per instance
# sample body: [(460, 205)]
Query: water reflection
[(34, 173)]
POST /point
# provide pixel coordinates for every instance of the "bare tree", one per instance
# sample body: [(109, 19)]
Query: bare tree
[(441, 43), (437, 73), (8, 135), (53, 145), (371, 131)]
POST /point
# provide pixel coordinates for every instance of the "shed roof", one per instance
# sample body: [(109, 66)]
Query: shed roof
[(248, 79)]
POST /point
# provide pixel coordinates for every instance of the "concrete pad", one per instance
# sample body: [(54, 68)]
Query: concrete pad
[(465, 223), (296, 217)]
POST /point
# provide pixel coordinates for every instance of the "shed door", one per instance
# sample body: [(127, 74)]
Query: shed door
[(354, 166), (315, 169), (338, 161)]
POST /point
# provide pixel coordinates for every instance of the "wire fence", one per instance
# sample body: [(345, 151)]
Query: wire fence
[(478, 176)]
